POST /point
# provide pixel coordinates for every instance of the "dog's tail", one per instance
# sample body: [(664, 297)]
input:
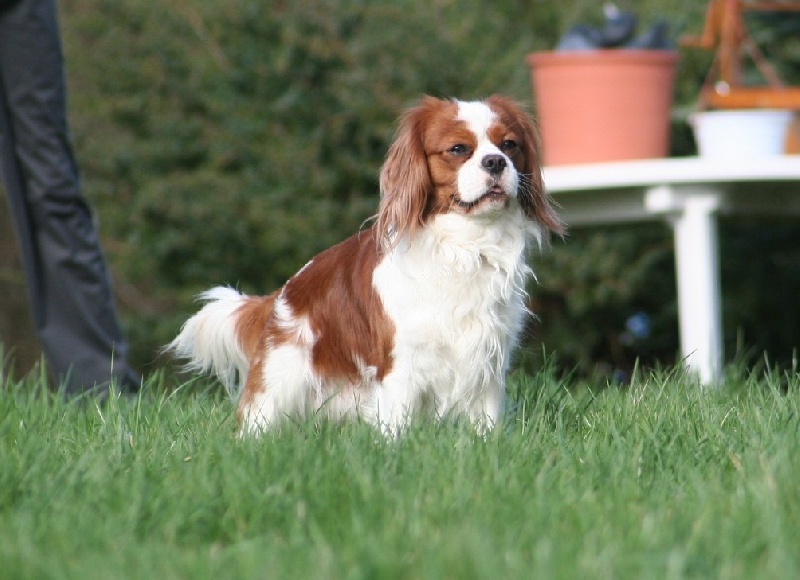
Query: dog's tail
[(220, 338)]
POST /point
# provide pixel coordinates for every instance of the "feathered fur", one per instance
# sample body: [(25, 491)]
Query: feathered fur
[(421, 311)]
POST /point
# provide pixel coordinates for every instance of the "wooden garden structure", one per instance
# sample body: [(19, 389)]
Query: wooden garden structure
[(725, 33)]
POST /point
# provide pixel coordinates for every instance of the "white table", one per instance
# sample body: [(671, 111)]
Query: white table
[(690, 193)]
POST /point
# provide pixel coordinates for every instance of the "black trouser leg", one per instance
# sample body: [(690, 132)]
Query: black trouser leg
[(68, 284)]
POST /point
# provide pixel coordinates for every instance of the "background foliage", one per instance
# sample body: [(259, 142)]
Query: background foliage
[(227, 141)]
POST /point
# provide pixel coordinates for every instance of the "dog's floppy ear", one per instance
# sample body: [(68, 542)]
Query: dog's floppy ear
[(405, 181), (532, 195)]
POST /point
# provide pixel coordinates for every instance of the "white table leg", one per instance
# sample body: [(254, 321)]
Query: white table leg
[(697, 263)]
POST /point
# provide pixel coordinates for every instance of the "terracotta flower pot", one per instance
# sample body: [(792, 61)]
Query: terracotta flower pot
[(603, 105)]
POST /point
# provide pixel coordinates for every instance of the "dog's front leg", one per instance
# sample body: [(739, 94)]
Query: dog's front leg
[(486, 410), (395, 404)]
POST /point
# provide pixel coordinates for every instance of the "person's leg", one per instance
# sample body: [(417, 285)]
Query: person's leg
[(68, 284)]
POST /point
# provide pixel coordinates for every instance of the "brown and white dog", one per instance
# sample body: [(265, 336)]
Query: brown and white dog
[(422, 310)]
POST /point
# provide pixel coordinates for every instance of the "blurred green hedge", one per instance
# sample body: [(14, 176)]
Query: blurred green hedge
[(228, 141)]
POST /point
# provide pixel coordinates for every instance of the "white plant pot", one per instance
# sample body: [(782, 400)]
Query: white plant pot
[(743, 133)]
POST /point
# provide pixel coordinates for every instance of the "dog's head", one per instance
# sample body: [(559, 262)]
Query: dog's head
[(477, 159)]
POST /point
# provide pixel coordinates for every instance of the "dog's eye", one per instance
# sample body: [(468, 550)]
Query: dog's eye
[(459, 149), (508, 146)]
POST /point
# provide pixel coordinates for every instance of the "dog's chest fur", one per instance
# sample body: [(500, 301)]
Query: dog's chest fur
[(456, 295)]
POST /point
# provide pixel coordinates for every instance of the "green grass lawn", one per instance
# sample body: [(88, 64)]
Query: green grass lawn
[(655, 480)]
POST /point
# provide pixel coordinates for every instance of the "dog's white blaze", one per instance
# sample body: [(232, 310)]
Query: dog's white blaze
[(478, 117), (472, 177)]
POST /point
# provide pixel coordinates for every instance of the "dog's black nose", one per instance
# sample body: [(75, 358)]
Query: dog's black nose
[(494, 164)]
